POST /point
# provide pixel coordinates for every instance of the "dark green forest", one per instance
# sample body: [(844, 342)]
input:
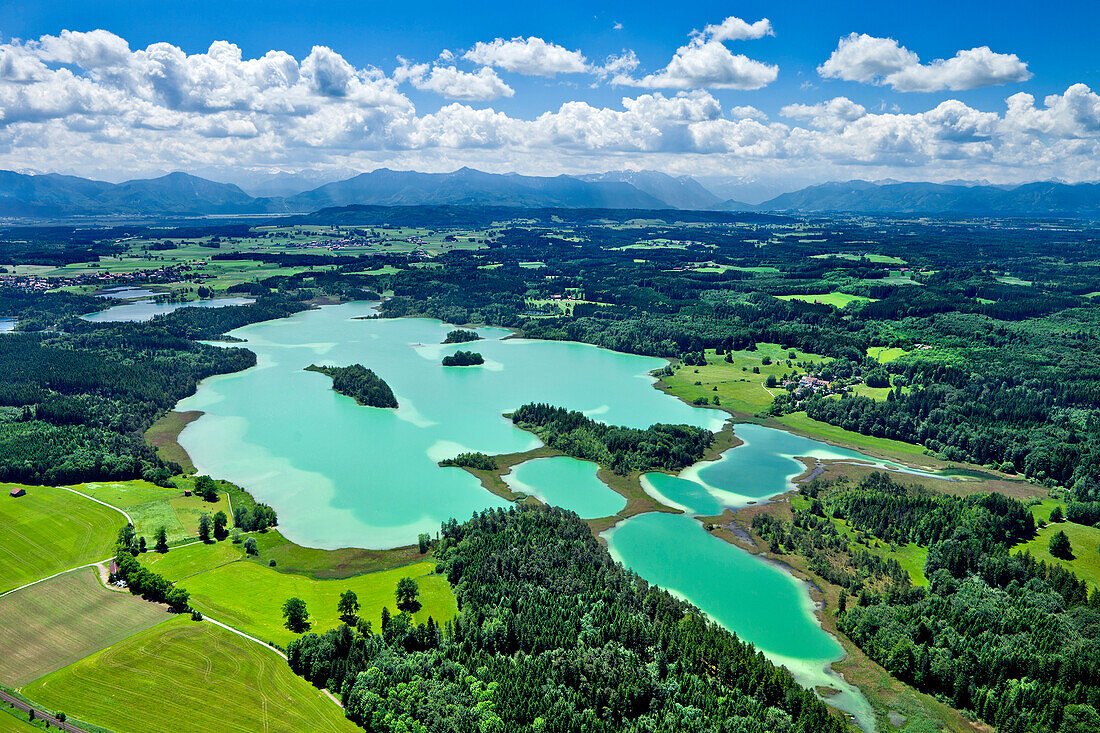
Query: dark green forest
[(621, 449), (360, 383), (1012, 639), (553, 637), (75, 400)]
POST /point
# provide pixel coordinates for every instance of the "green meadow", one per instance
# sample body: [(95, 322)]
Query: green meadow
[(247, 595), (884, 354), (835, 299), (189, 677), (1084, 541), (50, 530), (738, 388)]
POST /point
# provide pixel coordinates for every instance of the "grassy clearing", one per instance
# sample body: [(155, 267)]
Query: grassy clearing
[(63, 619), (249, 596), (153, 506), (189, 677), (163, 435), (875, 393), (885, 353), (798, 422), (330, 564), (738, 388), (837, 300), (1084, 540), (50, 530), (877, 259), (910, 556)]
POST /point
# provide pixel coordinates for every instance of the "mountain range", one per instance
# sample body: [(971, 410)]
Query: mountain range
[(57, 196)]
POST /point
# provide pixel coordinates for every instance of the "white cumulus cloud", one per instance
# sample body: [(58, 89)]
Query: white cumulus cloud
[(868, 59), (531, 56), (706, 63), (450, 82)]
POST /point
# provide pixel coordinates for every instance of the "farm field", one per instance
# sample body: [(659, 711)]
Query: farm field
[(243, 686), (9, 723), (50, 530), (249, 596), (63, 619), (739, 389), (153, 506), (837, 300)]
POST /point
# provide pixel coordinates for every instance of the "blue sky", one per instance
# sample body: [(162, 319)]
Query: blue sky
[(411, 120)]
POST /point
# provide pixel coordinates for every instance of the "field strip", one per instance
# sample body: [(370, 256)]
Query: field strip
[(63, 572), (238, 632), (97, 501)]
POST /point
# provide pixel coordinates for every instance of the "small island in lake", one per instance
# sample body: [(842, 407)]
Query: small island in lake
[(461, 336), (360, 383), (478, 460), (463, 358)]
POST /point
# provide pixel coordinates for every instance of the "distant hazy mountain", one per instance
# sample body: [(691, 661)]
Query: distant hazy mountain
[(384, 187), (54, 195), (862, 197), (682, 192), (181, 194)]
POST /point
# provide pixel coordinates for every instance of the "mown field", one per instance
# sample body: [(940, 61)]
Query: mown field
[(152, 506), (249, 596), (61, 620), (188, 677), (50, 530), (738, 388)]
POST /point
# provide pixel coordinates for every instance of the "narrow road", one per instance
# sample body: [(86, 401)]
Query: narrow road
[(63, 572), (38, 713), (97, 501)]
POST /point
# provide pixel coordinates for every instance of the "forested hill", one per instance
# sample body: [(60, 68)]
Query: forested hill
[(555, 637)]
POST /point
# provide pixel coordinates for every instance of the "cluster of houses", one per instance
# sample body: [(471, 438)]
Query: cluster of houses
[(42, 283), (807, 383)]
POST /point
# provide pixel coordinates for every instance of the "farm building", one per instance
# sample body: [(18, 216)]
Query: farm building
[(17, 491)]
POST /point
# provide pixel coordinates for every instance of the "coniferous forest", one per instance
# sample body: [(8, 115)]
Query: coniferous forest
[(553, 637)]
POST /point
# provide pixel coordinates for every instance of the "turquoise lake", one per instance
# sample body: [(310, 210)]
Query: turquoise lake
[(144, 310), (566, 482), (341, 474)]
